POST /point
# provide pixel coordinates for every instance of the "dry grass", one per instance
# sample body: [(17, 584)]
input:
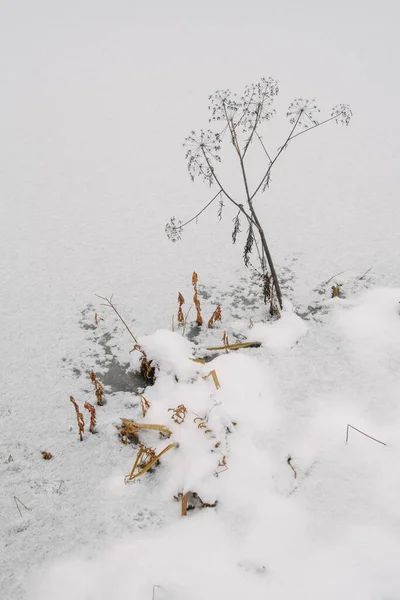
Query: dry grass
[(129, 430), (215, 378), (336, 290), (98, 388), (92, 412), (145, 459), (178, 413), (237, 346), (199, 319), (79, 418)]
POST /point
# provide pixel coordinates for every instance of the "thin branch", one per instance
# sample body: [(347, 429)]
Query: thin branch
[(367, 271), (315, 126), (111, 305), (202, 210), (262, 144), (259, 109), (277, 156), (362, 432)]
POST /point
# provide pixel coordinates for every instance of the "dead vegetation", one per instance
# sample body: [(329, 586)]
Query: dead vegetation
[(47, 455), (145, 459), (98, 389), (216, 316), (191, 501), (92, 411), (178, 413), (181, 302), (79, 418), (199, 319)]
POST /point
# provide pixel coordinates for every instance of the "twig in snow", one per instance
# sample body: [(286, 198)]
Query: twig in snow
[(289, 462), (362, 432), (337, 275), (109, 303), (16, 500), (154, 591), (367, 271)]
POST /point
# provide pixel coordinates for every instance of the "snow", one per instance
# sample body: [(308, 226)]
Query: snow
[(96, 100)]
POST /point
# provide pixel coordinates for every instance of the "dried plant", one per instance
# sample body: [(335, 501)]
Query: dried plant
[(238, 121), (110, 304), (145, 404), (129, 430), (98, 388), (79, 418), (225, 342), (221, 465), (190, 500), (145, 459), (92, 412), (147, 370), (97, 319), (202, 424), (215, 378), (178, 413), (336, 292), (289, 462), (236, 346), (216, 316), (251, 324), (362, 433), (47, 455), (181, 301), (199, 319)]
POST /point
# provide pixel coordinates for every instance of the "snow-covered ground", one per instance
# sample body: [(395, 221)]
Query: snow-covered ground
[(96, 100)]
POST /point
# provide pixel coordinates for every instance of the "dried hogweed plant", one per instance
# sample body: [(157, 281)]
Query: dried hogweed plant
[(79, 418), (181, 301), (237, 122), (145, 405), (199, 319), (216, 316), (92, 412), (98, 388)]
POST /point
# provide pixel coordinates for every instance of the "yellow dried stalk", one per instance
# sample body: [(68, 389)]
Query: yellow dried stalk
[(145, 459), (178, 413), (130, 429), (198, 360), (184, 504), (216, 316), (181, 301), (145, 404), (237, 346), (225, 341), (215, 378), (79, 418), (196, 300), (221, 463), (92, 412), (98, 388)]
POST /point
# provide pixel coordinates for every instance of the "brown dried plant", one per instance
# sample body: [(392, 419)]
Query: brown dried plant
[(215, 378), (92, 412), (181, 301), (225, 342), (202, 424), (145, 404), (196, 300), (145, 459), (47, 455), (129, 430), (221, 464), (178, 413), (98, 388), (216, 316), (97, 319), (336, 292), (190, 500), (146, 369), (79, 418)]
